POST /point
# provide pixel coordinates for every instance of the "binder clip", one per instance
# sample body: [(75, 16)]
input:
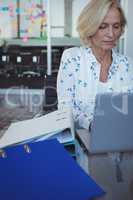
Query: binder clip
[(27, 148), (3, 153)]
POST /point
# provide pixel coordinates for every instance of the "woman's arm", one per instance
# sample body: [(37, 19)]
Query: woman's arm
[(66, 90)]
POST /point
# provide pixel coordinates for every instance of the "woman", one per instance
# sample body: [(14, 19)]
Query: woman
[(95, 67)]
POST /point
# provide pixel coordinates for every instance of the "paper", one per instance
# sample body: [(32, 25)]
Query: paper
[(63, 136), (44, 126)]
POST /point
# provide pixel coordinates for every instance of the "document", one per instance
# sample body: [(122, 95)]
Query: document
[(39, 128)]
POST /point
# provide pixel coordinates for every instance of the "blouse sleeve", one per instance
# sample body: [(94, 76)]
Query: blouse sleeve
[(66, 91)]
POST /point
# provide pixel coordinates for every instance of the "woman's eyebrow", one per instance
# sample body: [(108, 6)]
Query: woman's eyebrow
[(102, 24), (106, 23)]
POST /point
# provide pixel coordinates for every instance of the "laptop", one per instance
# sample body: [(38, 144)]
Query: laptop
[(112, 128)]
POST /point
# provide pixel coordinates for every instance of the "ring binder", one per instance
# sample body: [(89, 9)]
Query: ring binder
[(49, 172)]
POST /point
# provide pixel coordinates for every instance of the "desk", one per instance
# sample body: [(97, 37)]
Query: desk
[(116, 180)]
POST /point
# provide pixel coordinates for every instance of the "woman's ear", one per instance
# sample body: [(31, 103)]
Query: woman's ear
[(122, 31)]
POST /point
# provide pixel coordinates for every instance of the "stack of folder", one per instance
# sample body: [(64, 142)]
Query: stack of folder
[(33, 168), (44, 171)]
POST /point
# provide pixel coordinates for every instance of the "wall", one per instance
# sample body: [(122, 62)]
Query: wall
[(76, 9), (129, 35), (57, 18)]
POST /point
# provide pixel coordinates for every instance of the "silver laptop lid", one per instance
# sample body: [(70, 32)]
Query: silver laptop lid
[(112, 128)]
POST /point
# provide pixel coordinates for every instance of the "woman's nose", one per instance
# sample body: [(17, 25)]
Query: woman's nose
[(110, 31)]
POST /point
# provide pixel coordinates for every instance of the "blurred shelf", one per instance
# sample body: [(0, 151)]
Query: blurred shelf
[(57, 41)]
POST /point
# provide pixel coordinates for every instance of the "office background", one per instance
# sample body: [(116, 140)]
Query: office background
[(33, 35)]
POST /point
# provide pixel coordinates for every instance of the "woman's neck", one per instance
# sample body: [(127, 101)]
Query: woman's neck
[(102, 56), (105, 60)]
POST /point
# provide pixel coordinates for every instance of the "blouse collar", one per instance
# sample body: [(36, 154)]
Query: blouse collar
[(114, 65)]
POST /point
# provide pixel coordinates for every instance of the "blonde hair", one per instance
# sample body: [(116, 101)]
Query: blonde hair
[(92, 16)]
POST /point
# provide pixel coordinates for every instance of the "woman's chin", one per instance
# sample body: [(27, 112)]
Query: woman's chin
[(109, 46)]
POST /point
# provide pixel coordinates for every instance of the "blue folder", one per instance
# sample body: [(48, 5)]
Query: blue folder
[(48, 172)]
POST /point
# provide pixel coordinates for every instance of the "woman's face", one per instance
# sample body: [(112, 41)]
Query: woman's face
[(109, 31)]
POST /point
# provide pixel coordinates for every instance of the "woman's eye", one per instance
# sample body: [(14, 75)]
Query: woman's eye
[(117, 26), (102, 27)]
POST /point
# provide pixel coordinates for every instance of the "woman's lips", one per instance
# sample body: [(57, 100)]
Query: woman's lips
[(110, 43)]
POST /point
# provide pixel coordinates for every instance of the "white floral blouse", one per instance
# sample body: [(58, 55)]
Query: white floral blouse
[(78, 81)]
